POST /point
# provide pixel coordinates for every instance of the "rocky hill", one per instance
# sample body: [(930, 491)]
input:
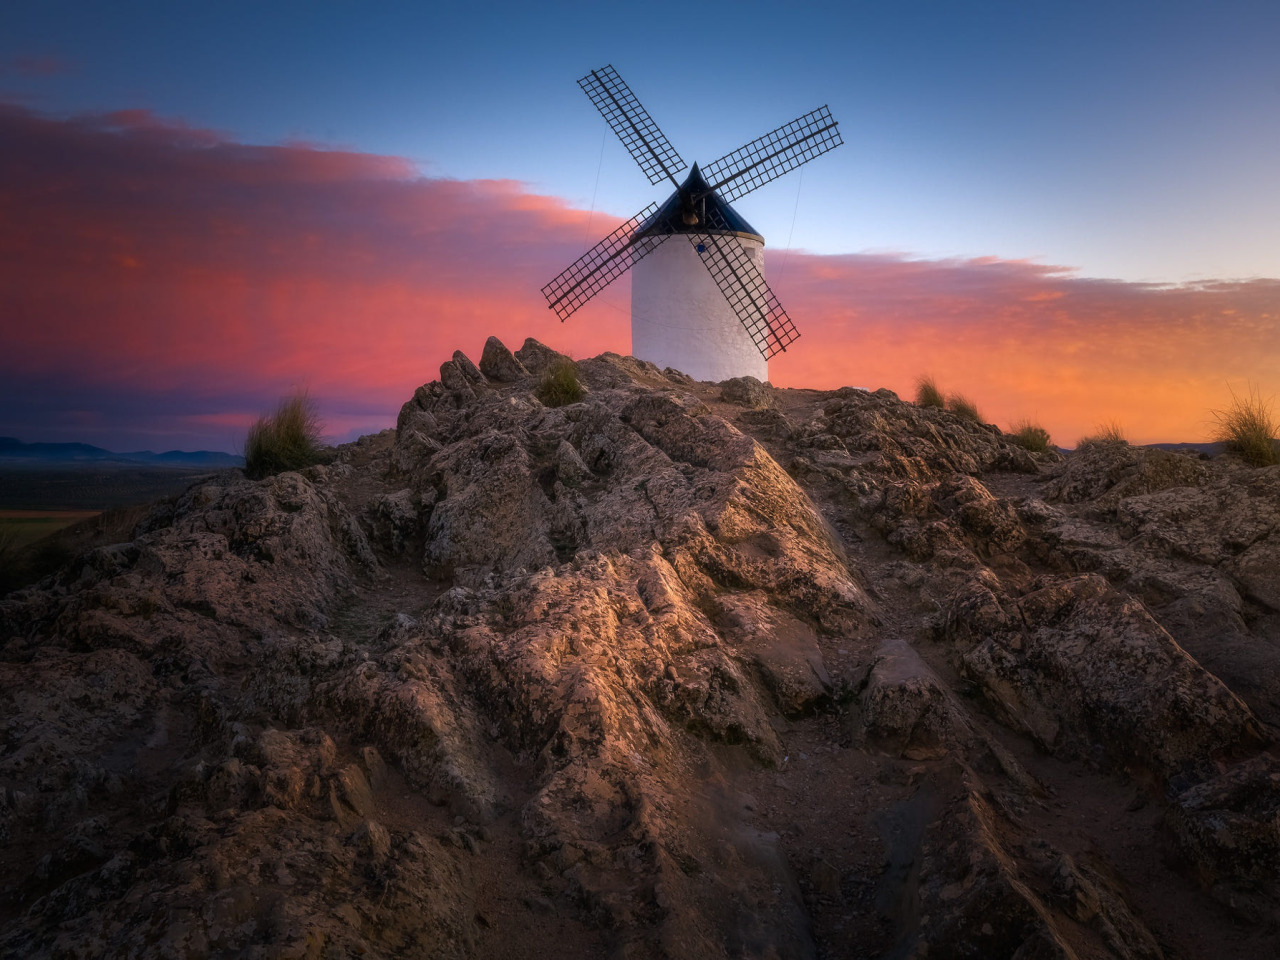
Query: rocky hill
[(681, 670)]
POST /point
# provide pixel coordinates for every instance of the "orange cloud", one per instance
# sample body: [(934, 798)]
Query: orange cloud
[(1031, 340), (160, 284)]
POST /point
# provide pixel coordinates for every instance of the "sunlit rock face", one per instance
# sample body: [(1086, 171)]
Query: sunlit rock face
[(677, 670)]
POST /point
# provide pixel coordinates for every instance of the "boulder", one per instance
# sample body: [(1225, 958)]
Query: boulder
[(468, 369), (499, 363), (746, 392), (1092, 674), (455, 381), (905, 707), (1228, 829), (536, 357)]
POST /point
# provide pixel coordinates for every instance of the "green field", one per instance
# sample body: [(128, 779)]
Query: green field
[(21, 527), (92, 486), (100, 503)]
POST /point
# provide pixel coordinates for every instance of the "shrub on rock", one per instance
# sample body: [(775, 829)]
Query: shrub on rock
[(1031, 436), (1107, 434), (963, 407), (1249, 429), (289, 439), (559, 385), (928, 394)]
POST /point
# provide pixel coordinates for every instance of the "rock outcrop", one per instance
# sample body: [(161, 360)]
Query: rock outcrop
[(680, 670)]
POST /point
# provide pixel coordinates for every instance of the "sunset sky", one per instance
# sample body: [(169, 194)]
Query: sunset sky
[(1069, 211)]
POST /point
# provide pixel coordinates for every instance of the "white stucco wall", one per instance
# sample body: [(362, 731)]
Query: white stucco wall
[(679, 317)]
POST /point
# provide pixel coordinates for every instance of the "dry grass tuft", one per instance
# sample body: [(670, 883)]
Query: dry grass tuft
[(1108, 434), (963, 407), (1249, 429), (289, 439), (1031, 436), (928, 394), (560, 384)]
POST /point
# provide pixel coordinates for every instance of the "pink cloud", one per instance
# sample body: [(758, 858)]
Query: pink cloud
[(179, 280)]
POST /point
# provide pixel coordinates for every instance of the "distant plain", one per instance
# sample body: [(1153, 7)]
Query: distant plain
[(27, 526), (90, 486)]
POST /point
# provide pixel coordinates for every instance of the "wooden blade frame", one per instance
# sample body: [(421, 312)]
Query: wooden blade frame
[(633, 125), (744, 286), (736, 174), (601, 265)]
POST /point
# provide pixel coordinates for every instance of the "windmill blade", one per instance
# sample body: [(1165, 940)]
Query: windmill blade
[(736, 174), (601, 265), (633, 125), (744, 286)]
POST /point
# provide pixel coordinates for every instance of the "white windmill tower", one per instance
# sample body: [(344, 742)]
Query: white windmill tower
[(703, 306)]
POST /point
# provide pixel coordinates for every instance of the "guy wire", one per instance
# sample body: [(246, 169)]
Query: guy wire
[(586, 234), (782, 267)]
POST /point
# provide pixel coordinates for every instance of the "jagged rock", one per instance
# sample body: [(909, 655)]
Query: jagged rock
[(624, 661), (570, 470), (675, 376), (499, 363), (905, 706), (372, 839), (1257, 570), (1207, 524), (1229, 830), (468, 369), (396, 521), (782, 647), (1110, 472), (746, 392), (455, 381), (974, 903), (1092, 672), (537, 357)]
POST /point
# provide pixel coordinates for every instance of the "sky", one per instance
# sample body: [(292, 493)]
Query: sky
[(1068, 211)]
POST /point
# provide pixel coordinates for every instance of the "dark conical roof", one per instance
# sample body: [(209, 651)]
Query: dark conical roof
[(668, 219)]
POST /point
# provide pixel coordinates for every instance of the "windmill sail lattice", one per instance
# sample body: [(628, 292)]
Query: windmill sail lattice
[(633, 125), (601, 265), (699, 210), (736, 174), (744, 286)]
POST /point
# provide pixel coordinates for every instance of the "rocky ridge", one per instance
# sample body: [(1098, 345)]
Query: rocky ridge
[(681, 670)]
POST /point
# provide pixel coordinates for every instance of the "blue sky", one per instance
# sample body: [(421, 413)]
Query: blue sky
[(1139, 141)]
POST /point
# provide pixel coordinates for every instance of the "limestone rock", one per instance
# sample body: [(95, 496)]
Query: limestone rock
[(468, 369), (746, 392), (1229, 830), (456, 381), (499, 363), (536, 357), (905, 706), (631, 678), (1092, 671)]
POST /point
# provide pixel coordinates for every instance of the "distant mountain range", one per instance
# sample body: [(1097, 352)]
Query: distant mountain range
[(13, 450)]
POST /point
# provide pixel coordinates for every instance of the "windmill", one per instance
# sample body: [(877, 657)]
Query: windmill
[(701, 306)]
